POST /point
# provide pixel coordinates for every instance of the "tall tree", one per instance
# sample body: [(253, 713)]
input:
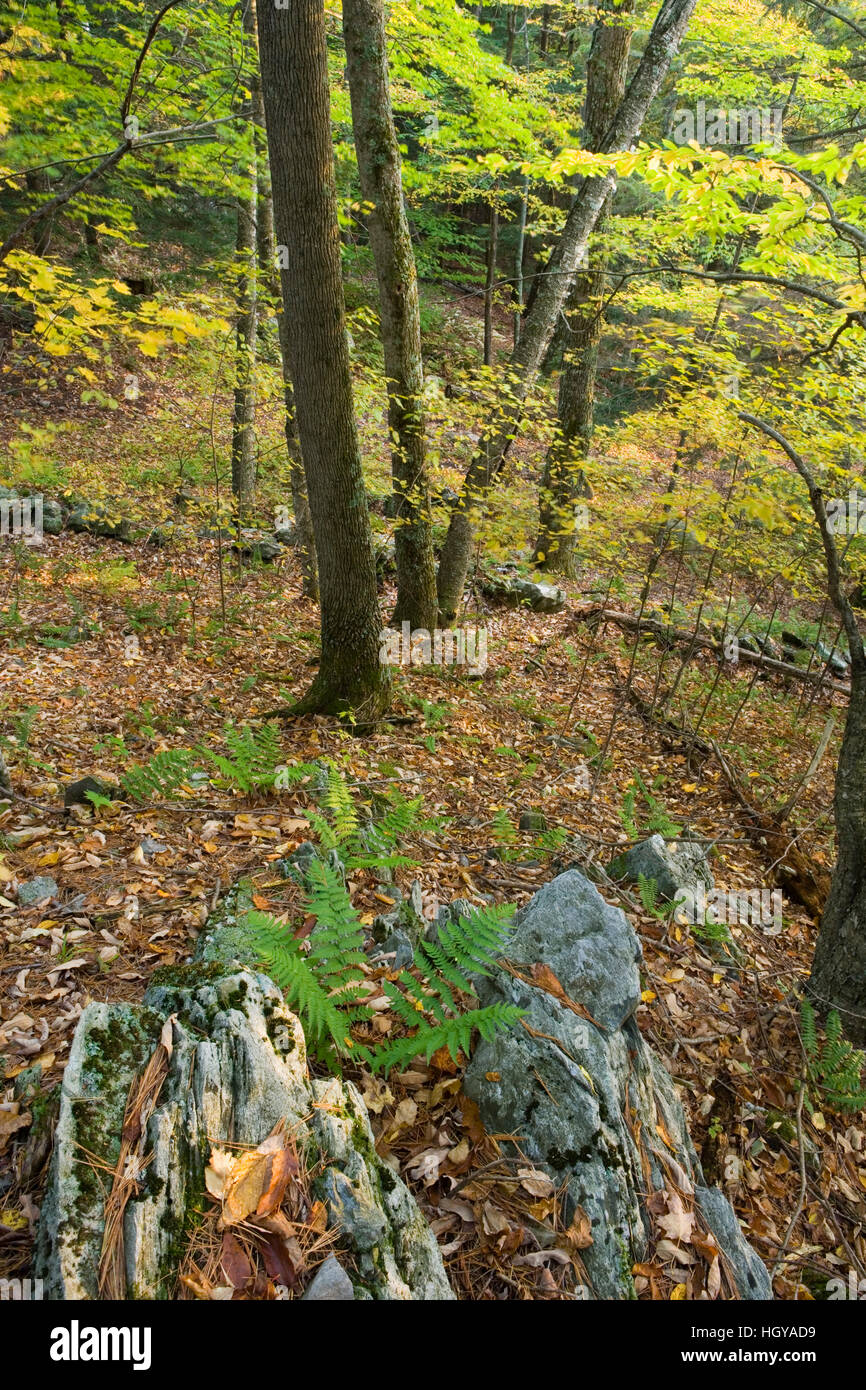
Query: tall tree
[(563, 481), (838, 978), (266, 249), (243, 416), (294, 65), (554, 288), (380, 175)]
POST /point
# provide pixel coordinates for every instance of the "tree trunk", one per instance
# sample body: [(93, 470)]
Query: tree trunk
[(294, 66), (490, 283), (305, 540), (564, 481), (554, 288), (265, 240), (243, 418), (838, 979), (399, 310)]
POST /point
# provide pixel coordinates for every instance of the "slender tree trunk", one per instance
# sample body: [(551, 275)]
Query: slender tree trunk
[(490, 283), (40, 183), (554, 288), (243, 419), (520, 248), (838, 979), (379, 168), (564, 480), (304, 541), (510, 32), (294, 65)]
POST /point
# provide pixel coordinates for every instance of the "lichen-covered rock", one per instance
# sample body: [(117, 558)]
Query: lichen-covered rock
[(584, 1091), (36, 890), (237, 1068), (678, 868)]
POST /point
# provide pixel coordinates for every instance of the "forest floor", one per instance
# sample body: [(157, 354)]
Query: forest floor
[(137, 884)]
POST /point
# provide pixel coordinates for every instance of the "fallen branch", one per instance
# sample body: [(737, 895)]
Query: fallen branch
[(595, 614)]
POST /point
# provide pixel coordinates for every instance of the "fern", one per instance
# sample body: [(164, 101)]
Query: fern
[(504, 834), (657, 820), (254, 756), (626, 814), (161, 776), (323, 984), (834, 1067)]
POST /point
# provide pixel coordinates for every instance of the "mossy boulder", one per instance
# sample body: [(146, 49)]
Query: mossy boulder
[(238, 1066)]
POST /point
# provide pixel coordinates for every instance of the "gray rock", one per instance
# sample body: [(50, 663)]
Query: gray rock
[(297, 865), (834, 658), (257, 546), (285, 535), (100, 519), (515, 592), (402, 948), (151, 846), (237, 1068), (750, 1272), (578, 1090), (329, 1282), (36, 890), (534, 821), (677, 869), (405, 919), (52, 517)]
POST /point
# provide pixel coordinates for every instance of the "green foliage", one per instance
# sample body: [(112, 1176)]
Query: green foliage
[(648, 891), (253, 759), (656, 820), (161, 776), (364, 845), (324, 984), (834, 1066)]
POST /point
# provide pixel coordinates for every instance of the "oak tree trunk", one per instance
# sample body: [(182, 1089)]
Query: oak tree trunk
[(294, 67)]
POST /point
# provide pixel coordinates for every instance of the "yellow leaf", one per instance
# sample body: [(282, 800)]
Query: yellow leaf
[(678, 1293)]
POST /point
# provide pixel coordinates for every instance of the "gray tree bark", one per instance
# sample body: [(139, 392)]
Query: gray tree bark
[(304, 540), (243, 417), (838, 979), (294, 67), (380, 174)]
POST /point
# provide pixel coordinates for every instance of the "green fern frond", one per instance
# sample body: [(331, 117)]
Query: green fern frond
[(160, 777)]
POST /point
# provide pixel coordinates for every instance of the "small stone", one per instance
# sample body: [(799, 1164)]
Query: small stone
[(533, 821), (403, 951), (151, 846), (329, 1282), (36, 890)]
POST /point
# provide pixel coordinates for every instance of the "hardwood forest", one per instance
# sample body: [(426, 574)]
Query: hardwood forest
[(433, 686)]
